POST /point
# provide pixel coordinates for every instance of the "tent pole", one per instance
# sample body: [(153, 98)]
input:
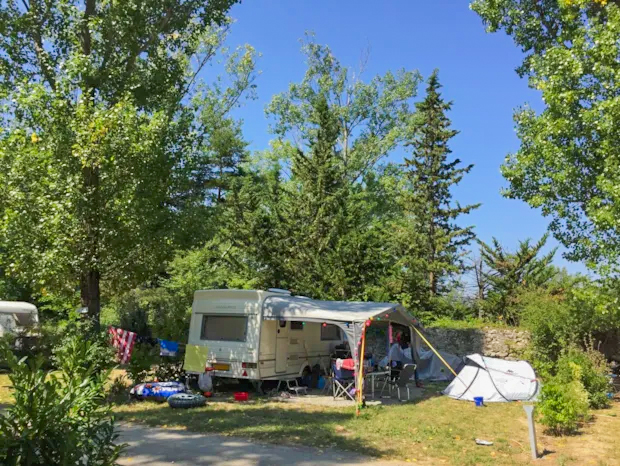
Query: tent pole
[(360, 380)]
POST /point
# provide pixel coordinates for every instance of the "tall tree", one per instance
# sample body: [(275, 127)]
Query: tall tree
[(568, 161), (333, 129), (508, 272), (431, 174), (103, 155)]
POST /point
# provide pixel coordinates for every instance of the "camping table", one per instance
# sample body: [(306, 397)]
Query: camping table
[(372, 376)]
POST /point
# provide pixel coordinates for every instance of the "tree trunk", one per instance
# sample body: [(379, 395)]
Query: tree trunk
[(90, 297)]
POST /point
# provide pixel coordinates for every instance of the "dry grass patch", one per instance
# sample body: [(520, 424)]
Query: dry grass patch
[(5, 390)]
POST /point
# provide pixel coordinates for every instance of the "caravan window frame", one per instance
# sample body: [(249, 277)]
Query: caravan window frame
[(327, 337), (204, 327)]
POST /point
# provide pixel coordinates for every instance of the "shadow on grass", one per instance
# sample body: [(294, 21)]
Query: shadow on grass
[(163, 446), (270, 424)]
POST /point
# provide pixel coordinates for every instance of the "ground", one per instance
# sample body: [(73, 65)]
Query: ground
[(150, 446), (432, 430)]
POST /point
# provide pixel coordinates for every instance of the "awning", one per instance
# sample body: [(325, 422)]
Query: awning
[(304, 309), (350, 316)]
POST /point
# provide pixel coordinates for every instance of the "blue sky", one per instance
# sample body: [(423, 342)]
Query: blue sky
[(476, 69)]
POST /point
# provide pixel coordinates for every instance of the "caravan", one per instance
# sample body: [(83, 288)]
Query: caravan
[(17, 317), (230, 331)]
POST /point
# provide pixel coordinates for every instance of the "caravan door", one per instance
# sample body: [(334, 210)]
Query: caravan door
[(282, 347)]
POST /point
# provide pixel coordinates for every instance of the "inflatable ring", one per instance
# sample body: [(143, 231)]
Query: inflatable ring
[(186, 400)]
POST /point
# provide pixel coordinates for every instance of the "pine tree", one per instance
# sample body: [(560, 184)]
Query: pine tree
[(508, 272), (428, 201)]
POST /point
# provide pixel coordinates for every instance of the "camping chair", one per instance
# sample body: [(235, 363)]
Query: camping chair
[(342, 382), (404, 380)]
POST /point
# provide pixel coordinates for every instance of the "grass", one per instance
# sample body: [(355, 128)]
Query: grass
[(432, 430), (5, 390)]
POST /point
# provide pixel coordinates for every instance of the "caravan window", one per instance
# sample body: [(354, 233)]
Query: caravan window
[(330, 332), (296, 325), (224, 328)]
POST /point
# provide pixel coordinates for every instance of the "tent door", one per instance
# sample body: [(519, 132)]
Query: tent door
[(282, 346)]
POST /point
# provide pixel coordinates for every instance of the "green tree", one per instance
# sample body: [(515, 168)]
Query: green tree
[(428, 199), (568, 161), (332, 131), (509, 272), (106, 149)]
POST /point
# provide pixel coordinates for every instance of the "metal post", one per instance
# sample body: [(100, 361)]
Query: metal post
[(529, 410)]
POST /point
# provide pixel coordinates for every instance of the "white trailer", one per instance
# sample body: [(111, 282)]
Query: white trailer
[(231, 331), (17, 316)]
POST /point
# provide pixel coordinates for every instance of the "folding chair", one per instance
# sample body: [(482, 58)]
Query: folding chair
[(404, 380), (342, 382)]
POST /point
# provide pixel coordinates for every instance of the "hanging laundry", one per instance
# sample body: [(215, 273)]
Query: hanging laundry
[(123, 341), (168, 348)]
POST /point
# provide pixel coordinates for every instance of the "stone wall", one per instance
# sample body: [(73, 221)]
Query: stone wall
[(502, 343)]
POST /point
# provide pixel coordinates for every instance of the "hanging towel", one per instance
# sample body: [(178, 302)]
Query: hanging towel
[(168, 348), (123, 341)]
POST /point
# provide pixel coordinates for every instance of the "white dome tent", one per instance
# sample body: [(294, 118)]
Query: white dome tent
[(496, 380)]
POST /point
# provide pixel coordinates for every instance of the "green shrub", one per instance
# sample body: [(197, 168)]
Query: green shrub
[(562, 406), (75, 358), (118, 391), (57, 418), (593, 370), (140, 366)]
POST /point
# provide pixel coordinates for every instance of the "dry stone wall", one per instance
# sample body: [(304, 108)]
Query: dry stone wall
[(502, 343)]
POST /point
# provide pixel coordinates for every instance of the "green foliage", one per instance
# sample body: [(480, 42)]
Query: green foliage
[(140, 366), (312, 214), (58, 418), (580, 381), (590, 368), (562, 406), (567, 164), (109, 140), (430, 176), (453, 306), (508, 273), (76, 359), (569, 311)]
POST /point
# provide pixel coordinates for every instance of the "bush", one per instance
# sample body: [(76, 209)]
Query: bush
[(593, 370), (58, 418), (562, 406), (140, 366), (75, 358), (146, 364)]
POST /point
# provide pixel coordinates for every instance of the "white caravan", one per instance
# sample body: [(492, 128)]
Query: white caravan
[(16, 316), (231, 334)]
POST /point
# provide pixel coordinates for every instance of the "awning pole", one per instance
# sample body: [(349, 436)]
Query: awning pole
[(437, 353), (360, 381)]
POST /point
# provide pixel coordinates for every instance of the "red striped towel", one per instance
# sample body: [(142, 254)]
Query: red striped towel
[(123, 341)]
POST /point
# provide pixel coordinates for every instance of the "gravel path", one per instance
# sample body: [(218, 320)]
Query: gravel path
[(158, 447)]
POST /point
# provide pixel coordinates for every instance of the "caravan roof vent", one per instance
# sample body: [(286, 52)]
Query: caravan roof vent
[(279, 290)]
